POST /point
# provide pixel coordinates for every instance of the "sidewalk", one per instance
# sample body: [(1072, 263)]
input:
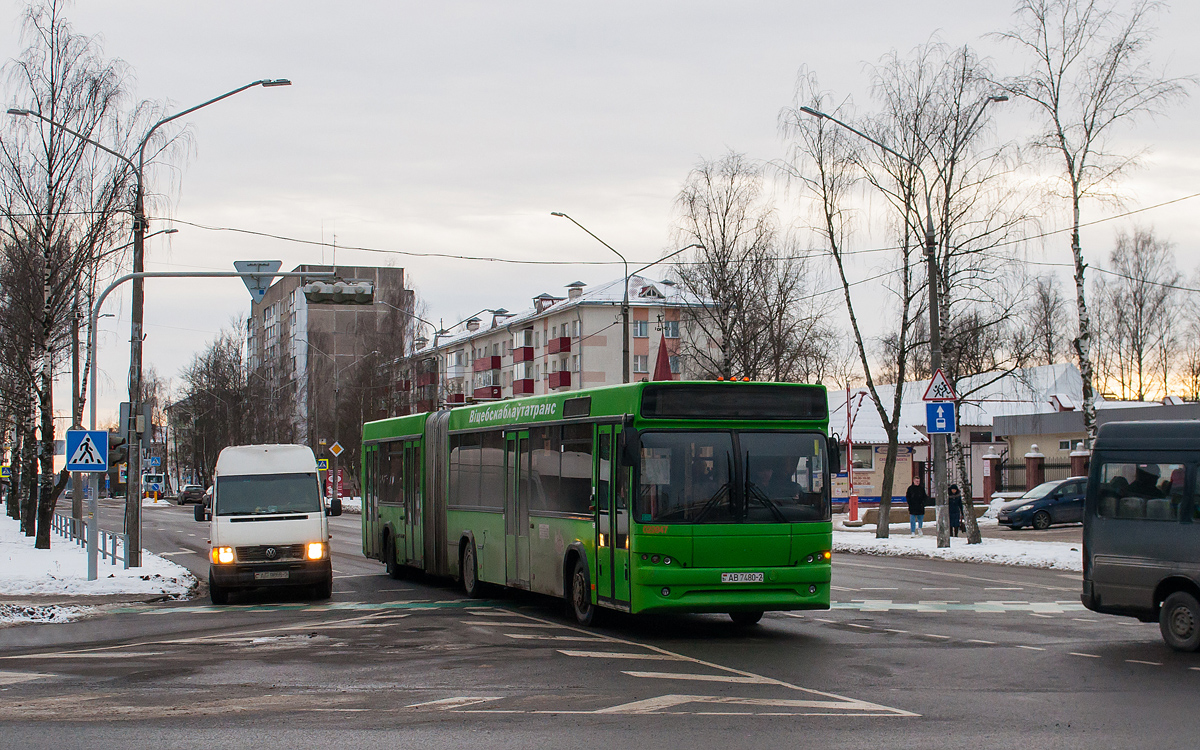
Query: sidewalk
[(51, 585), (1024, 553)]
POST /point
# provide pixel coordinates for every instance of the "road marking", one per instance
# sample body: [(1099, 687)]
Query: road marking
[(841, 588), (485, 624), (856, 625), (656, 705), (880, 588), (830, 622), (738, 679), (893, 630), (1149, 663), (361, 575), (459, 702), (1003, 588), (89, 655), (620, 655), (943, 607), (540, 637), (181, 552), (842, 562), (1031, 648), (1090, 656), (12, 678), (939, 588), (1083, 619), (934, 635), (1036, 614), (1194, 669), (985, 643)]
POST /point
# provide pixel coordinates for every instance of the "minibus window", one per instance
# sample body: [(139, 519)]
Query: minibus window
[(1140, 491), (263, 494)]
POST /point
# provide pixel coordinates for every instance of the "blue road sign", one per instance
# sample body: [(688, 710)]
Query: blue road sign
[(155, 461), (87, 450), (5, 472), (322, 464), (940, 418)]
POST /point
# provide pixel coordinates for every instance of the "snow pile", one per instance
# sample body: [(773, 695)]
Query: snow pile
[(1052, 555), (352, 505), (11, 614), (62, 570)]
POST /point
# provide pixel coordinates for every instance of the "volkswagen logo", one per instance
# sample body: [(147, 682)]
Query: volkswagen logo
[(271, 553)]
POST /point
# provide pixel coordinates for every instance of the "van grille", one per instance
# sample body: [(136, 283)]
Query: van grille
[(260, 553)]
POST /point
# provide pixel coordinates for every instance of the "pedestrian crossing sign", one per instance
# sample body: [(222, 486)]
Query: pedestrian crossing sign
[(322, 464), (87, 450)]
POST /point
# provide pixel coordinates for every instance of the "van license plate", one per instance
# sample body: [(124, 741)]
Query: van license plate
[(275, 575), (741, 578)]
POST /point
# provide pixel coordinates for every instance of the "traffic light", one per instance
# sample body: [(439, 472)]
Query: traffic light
[(339, 293), (118, 454)]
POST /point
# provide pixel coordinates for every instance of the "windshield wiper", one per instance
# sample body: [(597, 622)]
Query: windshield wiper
[(722, 492), (752, 490)]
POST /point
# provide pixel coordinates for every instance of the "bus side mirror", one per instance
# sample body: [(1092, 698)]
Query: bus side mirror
[(335, 507), (629, 451), (835, 456)]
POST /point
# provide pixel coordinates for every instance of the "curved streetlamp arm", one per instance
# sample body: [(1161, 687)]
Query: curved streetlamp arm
[(77, 134), (667, 257)]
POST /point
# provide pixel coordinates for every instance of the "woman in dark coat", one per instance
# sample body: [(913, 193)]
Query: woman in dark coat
[(917, 500), (955, 501)]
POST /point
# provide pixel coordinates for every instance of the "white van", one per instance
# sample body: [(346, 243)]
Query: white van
[(267, 522)]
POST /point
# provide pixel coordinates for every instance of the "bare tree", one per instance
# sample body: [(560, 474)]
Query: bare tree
[(1088, 73), (756, 318), (827, 163), (1041, 331), (1138, 314)]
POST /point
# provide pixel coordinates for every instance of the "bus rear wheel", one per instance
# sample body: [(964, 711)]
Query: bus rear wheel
[(580, 603), (1179, 621), (389, 560), (470, 572), (744, 619)]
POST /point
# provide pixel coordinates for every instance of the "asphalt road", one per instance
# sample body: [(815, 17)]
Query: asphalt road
[(913, 653)]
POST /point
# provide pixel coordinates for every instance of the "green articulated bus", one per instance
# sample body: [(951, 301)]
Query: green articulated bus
[(646, 497)]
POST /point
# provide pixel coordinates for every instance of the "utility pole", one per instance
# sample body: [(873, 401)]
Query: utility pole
[(938, 441), (133, 503)]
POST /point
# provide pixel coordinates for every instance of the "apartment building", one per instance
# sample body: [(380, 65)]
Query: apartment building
[(560, 343)]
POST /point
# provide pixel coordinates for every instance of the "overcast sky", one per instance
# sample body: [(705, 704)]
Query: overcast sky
[(456, 127)]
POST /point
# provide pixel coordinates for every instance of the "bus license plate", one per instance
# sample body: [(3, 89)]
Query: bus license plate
[(741, 578), (275, 575)]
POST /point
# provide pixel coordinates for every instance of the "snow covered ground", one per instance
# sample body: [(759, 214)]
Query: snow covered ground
[(1053, 555), (62, 570), (352, 505)]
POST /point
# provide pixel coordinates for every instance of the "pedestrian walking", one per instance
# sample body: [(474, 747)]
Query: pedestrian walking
[(917, 500), (955, 501)]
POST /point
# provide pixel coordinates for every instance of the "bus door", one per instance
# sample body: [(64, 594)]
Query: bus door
[(517, 488), (620, 532), (413, 544), (603, 494), (370, 511)]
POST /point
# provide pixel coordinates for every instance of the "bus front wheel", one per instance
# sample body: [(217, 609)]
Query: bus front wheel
[(744, 619), (469, 570), (580, 602), (1179, 621)]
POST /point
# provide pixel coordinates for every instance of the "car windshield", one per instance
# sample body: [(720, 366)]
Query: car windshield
[(264, 494), (1043, 489), (732, 477)]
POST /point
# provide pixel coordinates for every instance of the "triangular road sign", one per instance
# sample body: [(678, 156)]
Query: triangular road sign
[(939, 388), (258, 284)]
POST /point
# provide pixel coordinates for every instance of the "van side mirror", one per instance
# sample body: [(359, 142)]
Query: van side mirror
[(628, 448), (835, 455), (335, 507), (200, 512)]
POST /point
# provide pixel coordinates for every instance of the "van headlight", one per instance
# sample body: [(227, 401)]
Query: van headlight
[(315, 551), (222, 555)]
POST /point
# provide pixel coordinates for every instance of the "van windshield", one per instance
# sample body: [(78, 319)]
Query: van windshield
[(264, 494)]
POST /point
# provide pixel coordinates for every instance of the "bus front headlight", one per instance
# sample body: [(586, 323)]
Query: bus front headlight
[(316, 551)]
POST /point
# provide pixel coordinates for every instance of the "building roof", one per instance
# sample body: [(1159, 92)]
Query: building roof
[(985, 397)]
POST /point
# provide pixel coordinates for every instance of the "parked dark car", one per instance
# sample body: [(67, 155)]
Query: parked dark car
[(191, 493), (1060, 501)]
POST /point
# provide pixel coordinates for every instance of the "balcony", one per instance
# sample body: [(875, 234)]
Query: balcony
[(560, 379), (426, 378), (523, 354), (487, 392), (487, 363), (560, 345), (456, 398), (523, 387)]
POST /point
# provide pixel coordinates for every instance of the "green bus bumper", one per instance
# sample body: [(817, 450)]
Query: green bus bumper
[(661, 589)]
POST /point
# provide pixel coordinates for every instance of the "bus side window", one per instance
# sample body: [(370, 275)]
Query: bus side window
[(603, 472)]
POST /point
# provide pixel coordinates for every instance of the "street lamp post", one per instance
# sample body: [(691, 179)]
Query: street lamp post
[(133, 510), (935, 329), (624, 298)]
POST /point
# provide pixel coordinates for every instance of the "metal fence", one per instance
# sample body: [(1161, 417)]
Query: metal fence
[(1057, 471), (1012, 476), (111, 546)]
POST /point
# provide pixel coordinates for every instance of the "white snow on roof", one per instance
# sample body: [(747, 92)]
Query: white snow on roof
[(985, 397)]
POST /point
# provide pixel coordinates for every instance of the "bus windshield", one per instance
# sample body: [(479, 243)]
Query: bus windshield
[(264, 494), (732, 477)]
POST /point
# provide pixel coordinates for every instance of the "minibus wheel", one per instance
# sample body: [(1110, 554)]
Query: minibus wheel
[(217, 594), (323, 590), (1179, 621)]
